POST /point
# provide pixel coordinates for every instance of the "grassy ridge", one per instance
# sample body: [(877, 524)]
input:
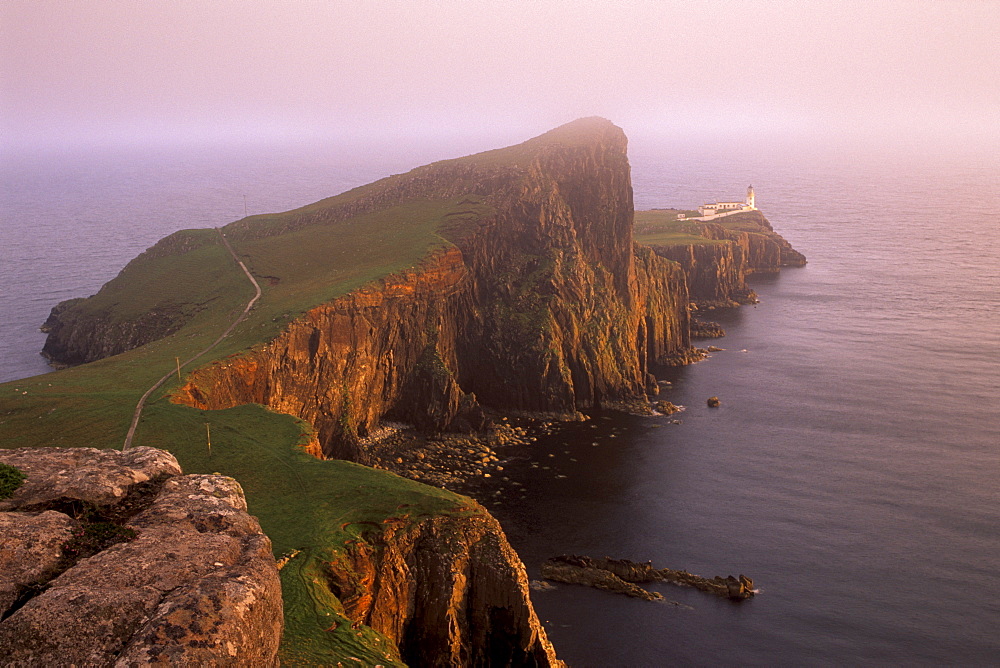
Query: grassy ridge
[(316, 264), (197, 286), (186, 282)]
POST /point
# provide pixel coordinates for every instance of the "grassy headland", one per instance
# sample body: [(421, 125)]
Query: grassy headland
[(302, 258), (302, 503), (661, 227)]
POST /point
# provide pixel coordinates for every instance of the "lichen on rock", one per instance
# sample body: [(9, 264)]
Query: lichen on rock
[(192, 583)]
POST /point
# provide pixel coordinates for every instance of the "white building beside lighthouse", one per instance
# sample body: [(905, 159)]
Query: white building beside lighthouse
[(725, 208)]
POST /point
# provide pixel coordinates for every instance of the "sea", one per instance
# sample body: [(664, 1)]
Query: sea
[(852, 469)]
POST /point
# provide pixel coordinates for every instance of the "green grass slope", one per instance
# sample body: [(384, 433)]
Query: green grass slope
[(660, 227), (302, 503)]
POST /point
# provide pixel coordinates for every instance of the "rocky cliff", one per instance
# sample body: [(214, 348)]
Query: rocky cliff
[(130, 310), (533, 297), (732, 249), (112, 558), (716, 273), (448, 591), (543, 305)]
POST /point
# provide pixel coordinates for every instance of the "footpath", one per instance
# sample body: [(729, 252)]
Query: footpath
[(160, 382)]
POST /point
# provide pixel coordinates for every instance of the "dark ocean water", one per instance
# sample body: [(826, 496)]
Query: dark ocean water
[(853, 469)]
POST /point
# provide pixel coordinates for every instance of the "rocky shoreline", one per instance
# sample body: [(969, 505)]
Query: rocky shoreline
[(451, 461), (474, 464)]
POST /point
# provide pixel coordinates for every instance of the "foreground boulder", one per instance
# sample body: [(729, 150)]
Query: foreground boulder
[(116, 558)]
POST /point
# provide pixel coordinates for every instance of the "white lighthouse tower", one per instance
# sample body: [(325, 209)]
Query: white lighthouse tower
[(751, 200)]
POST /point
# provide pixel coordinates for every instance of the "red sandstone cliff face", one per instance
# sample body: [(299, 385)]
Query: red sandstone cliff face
[(345, 364), (546, 305), (477, 613)]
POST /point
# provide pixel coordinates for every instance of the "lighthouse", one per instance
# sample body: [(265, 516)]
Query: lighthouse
[(751, 200)]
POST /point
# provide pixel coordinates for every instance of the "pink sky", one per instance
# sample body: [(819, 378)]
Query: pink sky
[(99, 72)]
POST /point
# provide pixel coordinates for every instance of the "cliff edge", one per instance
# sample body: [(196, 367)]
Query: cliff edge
[(507, 280), (718, 256), (539, 301)]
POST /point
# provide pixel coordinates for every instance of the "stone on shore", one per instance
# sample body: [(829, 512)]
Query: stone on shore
[(666, 408), (586, 570)]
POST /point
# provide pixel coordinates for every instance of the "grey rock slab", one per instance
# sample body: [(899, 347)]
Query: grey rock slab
[(98, 477), (197, 585), (30, 550)]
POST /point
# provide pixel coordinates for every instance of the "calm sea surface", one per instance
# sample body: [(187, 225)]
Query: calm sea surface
[(853, 469)]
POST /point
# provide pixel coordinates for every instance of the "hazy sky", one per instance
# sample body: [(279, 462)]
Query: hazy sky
[(99, 72)]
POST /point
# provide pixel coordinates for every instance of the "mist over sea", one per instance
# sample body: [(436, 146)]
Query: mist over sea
[(853, 469)]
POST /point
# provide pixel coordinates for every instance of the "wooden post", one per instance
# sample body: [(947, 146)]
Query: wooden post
[(178, 360), (208, 438)]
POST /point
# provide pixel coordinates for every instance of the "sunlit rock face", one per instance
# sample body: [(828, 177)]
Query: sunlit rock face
[(543, 305), (448, 591)]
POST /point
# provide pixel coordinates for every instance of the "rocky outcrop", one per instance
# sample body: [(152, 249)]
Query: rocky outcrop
[(84, 330), (73, 477), (716, 272), (76, 337), (563, 569), (666, 408), (545, 305), (706, 329), (32, 550), (449, 591), (595, 573), (117, 558)]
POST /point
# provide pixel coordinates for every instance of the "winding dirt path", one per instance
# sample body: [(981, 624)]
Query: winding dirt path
[(157, 384)]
